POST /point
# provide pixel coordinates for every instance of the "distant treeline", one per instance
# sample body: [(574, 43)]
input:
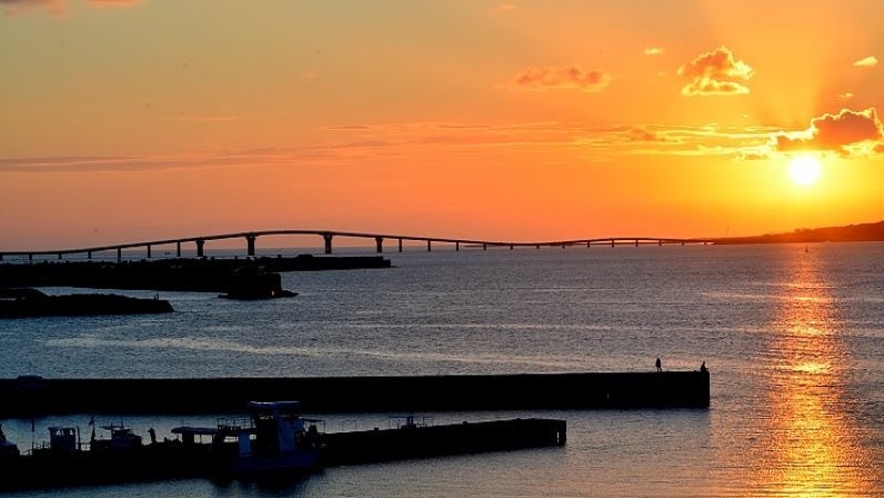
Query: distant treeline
[(850, 233)]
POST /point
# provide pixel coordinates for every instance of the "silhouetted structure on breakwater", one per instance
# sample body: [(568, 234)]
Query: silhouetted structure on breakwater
[(247, 278), (30, 396)]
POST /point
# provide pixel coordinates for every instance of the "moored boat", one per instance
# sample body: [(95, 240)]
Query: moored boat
[(8, 449), (274, 438)]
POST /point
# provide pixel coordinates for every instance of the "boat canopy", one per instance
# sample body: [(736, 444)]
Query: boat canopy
[(274, 405)]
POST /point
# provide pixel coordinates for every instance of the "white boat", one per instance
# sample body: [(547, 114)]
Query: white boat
[(274, 438)]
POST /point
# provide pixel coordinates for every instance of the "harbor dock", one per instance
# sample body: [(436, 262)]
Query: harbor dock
[(67, 466), (29, 396)]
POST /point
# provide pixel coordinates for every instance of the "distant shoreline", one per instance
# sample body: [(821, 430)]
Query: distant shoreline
[(866, 232)]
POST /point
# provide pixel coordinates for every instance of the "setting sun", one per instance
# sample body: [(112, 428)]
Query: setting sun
[(804, 170)]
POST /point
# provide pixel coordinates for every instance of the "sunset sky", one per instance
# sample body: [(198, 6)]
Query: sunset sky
[(526, 120)]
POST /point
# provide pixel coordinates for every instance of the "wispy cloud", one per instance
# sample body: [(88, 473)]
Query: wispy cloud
[(16, 7), (870, 61), (203, 119), (562, 77), (653, 50), (715, 73), (55, 7), (847, 132), (356, 142), (845, 96)]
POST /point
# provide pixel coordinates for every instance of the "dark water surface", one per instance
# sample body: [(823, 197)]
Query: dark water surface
[(794, 341)]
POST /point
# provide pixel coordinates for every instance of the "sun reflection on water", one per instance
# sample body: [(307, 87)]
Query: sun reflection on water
[(810, 450)]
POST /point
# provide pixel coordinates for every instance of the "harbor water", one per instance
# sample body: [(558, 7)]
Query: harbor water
[(793, 337)]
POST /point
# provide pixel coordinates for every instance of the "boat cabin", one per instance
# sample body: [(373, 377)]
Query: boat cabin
[(277, 429), (8, 449), (62, 440), (122, 439)]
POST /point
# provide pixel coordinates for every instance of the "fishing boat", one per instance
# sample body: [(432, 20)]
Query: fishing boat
[(8, 449), (122, 438), (273, 441), (273, 438)]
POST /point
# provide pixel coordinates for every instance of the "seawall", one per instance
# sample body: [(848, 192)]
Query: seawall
[(29, 396), (176, 274)]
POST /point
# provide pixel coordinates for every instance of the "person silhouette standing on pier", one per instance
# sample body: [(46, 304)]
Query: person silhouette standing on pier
[(658, 365)]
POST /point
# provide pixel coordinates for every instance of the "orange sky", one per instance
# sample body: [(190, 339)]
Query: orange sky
[(527, 120)]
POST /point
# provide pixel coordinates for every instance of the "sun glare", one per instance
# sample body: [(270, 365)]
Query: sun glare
[(804, 170)]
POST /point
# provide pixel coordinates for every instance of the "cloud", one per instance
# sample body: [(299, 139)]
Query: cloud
[(641, 134), (107, 3), (843, 132), (752, 155), (715, 73), (653, 51), (55, 7), (346, 143), (870, 61), (562, 77), (203, 119), (845, 96), (16, 7)]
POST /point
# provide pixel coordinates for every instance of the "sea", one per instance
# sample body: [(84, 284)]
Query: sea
[(793, 337)]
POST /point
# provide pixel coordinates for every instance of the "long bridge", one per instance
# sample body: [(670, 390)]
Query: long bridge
[(329, 235)]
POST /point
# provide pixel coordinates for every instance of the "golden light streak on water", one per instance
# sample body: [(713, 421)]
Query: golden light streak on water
[(810, 449)]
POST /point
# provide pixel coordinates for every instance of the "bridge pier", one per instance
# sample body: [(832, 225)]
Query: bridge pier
[(379, 244), (660, 243), (484, 247), (119, 253), (456, 246), (588, 244), (30, 257), (59, 256), (636, 242), (178, 248), (327, 238), (429, 245), (612, 242), (88, 255), (250, 245), (400, 245), (148, 251), (200, 248)]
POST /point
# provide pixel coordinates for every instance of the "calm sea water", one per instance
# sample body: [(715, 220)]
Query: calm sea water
[(794, 341)]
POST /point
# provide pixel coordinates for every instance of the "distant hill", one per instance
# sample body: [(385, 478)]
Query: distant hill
[(849, 233)]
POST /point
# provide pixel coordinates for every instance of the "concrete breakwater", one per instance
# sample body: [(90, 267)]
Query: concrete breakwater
[(28, 396), (248, 276)]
